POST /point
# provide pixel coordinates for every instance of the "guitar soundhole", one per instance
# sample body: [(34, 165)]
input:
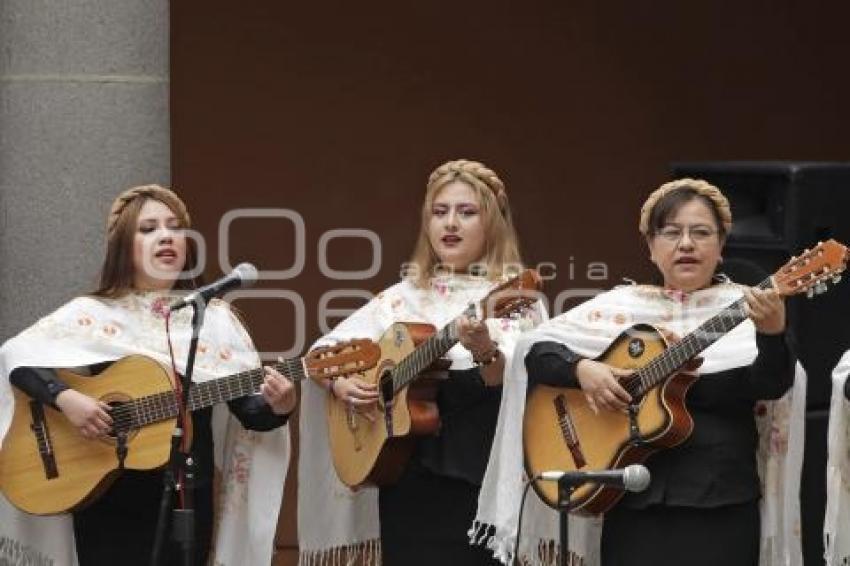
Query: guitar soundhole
[(636, 347), (386, 386)]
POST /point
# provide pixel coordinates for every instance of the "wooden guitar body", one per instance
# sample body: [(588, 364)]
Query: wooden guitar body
[(373, 449), (53, 469), (561, 432), (370, 448)]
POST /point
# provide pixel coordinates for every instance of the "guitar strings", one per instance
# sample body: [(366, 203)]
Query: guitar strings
[(714, 328), (150, 408)]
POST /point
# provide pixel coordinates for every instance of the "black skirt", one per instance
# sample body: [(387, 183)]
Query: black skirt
[(672, 536), (425, 519), (120, 526)]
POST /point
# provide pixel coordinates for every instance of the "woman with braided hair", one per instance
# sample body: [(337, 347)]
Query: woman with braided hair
[(148, 256), (727, 495), (466, 245)]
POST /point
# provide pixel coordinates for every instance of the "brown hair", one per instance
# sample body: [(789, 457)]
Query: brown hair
[(117, 273), (670, 203), (666, 200), (502, 247)]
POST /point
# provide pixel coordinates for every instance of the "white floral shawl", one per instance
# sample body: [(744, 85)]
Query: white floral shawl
[(88, 330)]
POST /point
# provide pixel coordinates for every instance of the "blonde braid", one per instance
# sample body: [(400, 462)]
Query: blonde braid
[(474, 173)]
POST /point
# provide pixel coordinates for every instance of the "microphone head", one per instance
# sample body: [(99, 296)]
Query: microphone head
[(635, 478), (247, 274)]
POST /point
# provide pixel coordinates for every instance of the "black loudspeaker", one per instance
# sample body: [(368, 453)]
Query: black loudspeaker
[(778, 210)]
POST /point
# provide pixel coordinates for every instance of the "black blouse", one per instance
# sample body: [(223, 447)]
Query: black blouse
[(716, 464), (468, 413)]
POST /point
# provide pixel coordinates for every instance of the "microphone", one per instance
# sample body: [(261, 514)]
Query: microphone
[(244, 275), (631, 478)]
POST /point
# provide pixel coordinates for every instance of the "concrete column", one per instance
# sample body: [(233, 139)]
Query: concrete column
[(83, 115)]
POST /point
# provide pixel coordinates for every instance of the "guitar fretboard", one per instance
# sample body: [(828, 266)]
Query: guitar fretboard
[(423, 356), (161, 406), (676, 356)]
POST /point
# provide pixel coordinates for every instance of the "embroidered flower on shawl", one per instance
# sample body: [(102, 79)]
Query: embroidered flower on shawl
[(159, 307), (677, 295), (236, 478), (111, 330), (241, 470), (649, 292), (518, 321), (778, 439), (397, 304), (773, 423), (441, 286)]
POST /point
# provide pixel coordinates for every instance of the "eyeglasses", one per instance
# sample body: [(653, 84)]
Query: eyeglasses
[(699, 234)]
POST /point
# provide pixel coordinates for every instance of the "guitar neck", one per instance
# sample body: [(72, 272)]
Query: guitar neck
[(163, 405), (424, 355), (706, 334)]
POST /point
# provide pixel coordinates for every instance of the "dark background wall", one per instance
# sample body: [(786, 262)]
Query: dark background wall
[(339, 110)]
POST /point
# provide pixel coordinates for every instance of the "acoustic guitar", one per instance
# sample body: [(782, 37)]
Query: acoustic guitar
[(561, 432), (47, 467), (372, 447)]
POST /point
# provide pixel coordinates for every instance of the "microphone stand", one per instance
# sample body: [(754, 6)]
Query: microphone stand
[(179, 474), (566, 486)]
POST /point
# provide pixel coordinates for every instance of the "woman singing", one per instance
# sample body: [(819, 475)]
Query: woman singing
[(148, 257)]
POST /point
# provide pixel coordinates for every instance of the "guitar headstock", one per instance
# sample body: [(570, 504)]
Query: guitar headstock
[(812, 270), (351, 356), (514, 295)]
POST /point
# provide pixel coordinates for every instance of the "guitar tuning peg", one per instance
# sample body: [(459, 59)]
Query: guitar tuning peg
[(820, 287), (836, 279), (810, 292)]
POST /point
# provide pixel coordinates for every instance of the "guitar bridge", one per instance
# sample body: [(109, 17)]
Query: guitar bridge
[(42, 437), (353, 427), (635, 437), (568, 432)]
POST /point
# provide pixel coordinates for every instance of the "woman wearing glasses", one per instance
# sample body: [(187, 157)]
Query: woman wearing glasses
[(702, 506)]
